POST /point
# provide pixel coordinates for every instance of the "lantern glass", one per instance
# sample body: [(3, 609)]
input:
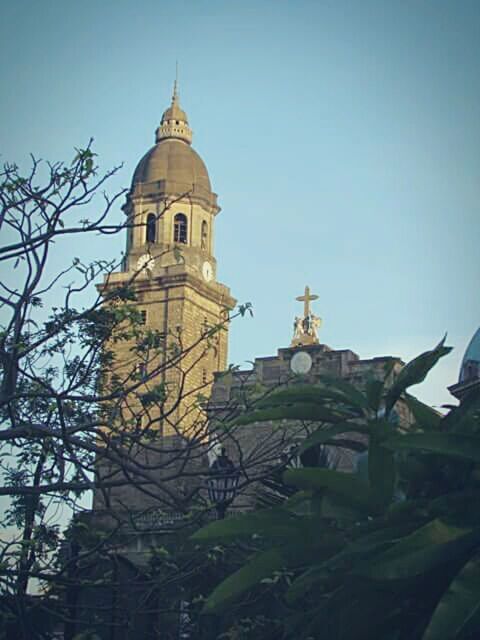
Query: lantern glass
[(222, 488)]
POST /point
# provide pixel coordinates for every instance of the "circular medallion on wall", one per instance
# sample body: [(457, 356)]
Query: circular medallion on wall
[(301, 363)]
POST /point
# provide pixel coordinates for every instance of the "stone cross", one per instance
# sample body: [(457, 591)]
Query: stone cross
[(306, 299)]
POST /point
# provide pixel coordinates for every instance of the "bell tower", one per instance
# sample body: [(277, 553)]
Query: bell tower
[(170, 265)]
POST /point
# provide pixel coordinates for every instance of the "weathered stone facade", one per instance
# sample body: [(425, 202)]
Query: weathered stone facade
[(170, 265), (171, 268), (256, 446)]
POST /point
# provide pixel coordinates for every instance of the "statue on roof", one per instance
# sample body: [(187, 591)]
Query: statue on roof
[(298, 328), (305, 330)]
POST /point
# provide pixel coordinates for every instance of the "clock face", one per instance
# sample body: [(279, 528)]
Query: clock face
[(301, 363), (207, 271), (145, 262)]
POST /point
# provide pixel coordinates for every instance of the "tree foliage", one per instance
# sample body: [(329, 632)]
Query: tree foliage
[(390, 552), (74, 415)]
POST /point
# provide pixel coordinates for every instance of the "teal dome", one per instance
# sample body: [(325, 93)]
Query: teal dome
[(470, 369)]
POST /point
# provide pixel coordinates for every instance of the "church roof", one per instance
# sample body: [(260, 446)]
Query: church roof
[(172, 161), (174, 112), (471, 357)]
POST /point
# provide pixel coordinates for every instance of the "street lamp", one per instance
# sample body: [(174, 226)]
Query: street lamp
[(222, 483), (70, 551)]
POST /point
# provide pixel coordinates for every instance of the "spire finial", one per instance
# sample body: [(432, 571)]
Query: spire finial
[(175, 85), (174, 122)]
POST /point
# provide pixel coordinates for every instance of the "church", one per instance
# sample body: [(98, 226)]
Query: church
[(184, 312), (170, 264)]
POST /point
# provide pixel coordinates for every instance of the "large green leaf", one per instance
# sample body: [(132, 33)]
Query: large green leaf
[(261, 566), (415, 372), (406, 511), (374, 391), (306, 581), (307, 411), (381, 471), (299, 394), (380, 429), (459, 609), (351, 554), (323, 435), (433, 544), (347, 486), (303, 503), (425, 417), (380, 535), (347, 612), (457, 445), (463, 507), (277, 523), (350, 392)]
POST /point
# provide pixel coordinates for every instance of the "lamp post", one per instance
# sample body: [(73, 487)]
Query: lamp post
[(71, 551), (222, 483)]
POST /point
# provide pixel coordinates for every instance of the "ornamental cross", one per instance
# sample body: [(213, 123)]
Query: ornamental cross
[(306, 299)]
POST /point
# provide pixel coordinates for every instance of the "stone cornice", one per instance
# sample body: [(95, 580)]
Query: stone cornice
[(215, 292), (151, 192)]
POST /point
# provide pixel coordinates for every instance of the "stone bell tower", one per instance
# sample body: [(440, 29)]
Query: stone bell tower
[(170, 263)]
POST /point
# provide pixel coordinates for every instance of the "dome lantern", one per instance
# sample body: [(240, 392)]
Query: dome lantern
[(172, 167), (174, 123)]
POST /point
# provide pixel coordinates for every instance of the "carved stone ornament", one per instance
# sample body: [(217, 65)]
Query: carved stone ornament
[(301, 363), (305, 330)]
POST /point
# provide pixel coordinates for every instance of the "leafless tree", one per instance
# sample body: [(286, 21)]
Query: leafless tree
[(74, 417)]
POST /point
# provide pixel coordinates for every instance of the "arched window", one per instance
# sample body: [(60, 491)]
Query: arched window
[(204, 235), (150, 234), (180, 228)]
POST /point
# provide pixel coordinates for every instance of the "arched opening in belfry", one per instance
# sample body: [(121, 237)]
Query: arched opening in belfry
[(180, 228), (204, 235), (151, 230)]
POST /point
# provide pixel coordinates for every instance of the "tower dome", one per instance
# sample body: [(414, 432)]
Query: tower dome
[(175, 162), (470, 368), (172, 166)]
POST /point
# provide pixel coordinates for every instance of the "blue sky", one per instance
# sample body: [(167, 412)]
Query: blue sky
[(342, 137)]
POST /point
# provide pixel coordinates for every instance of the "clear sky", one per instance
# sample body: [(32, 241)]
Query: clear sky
[(342, 137)]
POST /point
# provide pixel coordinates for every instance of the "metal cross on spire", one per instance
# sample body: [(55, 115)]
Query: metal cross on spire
[(306, 299)]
